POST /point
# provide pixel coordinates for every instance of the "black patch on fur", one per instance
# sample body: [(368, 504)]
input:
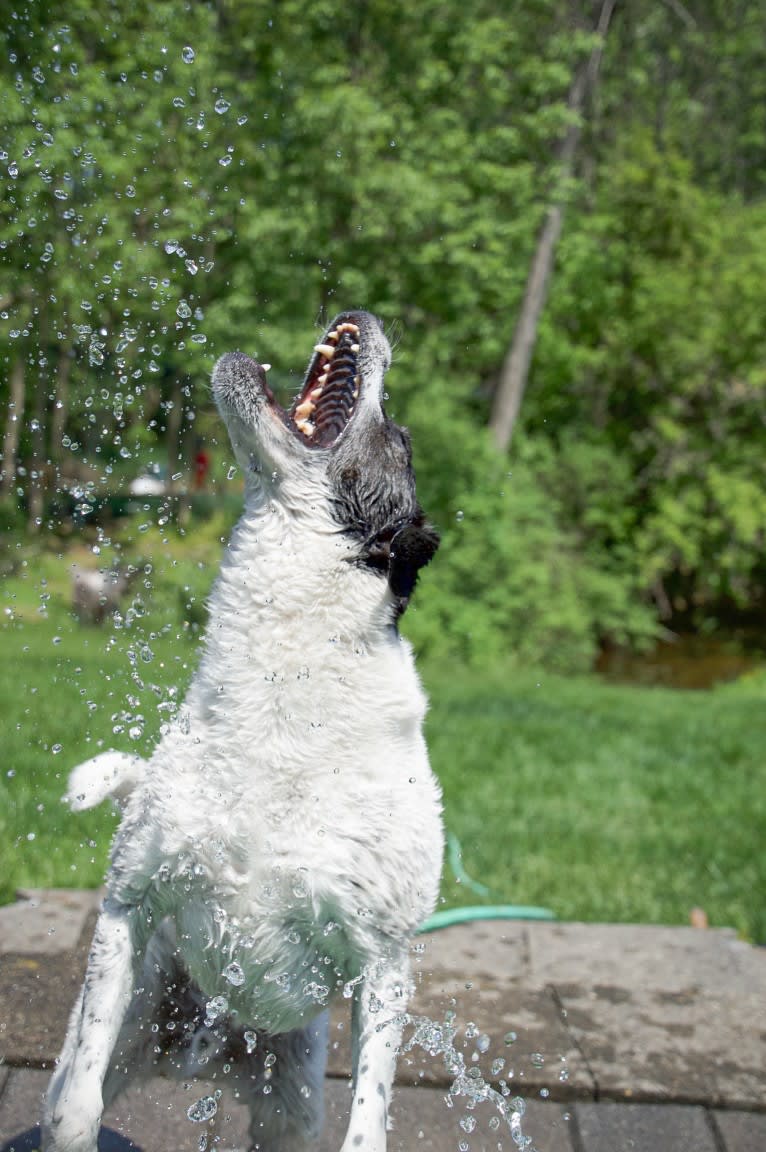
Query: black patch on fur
[(376, 501)]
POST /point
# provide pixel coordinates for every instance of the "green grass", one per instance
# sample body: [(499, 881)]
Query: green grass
[(604, 802), (599, 802)]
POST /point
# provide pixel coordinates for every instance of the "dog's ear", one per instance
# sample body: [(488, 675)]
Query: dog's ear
[(412, 547)]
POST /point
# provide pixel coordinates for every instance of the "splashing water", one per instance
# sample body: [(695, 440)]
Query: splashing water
[(438, 1040), (204, 1109)]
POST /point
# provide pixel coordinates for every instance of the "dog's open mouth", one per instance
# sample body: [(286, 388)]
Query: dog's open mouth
[(327, 401)]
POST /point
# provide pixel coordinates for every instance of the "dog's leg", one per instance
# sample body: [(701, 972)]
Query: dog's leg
[(378, 1016), (286, 1098), (73, 1103)]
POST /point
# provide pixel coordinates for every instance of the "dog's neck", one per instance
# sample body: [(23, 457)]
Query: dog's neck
[(291, 571)]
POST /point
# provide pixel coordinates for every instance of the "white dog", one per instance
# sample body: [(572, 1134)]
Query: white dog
[(285, 839)]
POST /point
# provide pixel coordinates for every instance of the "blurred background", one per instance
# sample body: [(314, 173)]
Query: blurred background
[(558, 209)]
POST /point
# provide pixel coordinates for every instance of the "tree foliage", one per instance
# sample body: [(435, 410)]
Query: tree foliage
[(182, 178)]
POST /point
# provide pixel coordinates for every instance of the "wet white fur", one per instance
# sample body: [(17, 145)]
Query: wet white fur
[(289, 822)]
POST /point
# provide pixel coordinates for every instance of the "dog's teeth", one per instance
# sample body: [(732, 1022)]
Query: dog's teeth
[(305, 426), (348, 327), (266, 367), (303, 411), (316, 392), (326, 350), (334, 335), (354, 347)]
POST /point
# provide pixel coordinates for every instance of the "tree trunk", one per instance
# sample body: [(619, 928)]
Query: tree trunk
[(36, 478), (60, 408), (13, 423), (515, 370)]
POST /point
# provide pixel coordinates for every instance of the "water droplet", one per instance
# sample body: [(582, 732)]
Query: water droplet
[(192, 267), (199, 338), (305, 1091), (250, 1042), (183, 310), (483, 1043), (56, 749), (510, 1037), (188, 55), (222, 105), (234, 974), (468, 1123), (225, 161), (241, 120), (459, 516), (170, 246), (215, 1008), (203, 1110), (537, 1059)]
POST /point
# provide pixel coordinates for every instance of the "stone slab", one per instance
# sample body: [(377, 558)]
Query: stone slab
[(36, 996), (646, 956), (20, 1102), (46, 921), (607, 1127), (422, 1121), (741, 1131), (660, 1013), (522, 1028), (153, 1117), (695, 1046), (494, 950)]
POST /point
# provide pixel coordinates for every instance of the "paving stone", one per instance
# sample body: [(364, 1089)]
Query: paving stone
[(646, 956), (36, 997), (522, 1027), (422, 1121), (20, 1102), (46, 921), (543, 1055), (497, 950), (608, 1127), (741, 1131), (153, 1116), (698, 1046), (660, 1013)]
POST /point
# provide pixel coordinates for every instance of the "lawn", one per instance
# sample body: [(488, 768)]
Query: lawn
[(597, 801)]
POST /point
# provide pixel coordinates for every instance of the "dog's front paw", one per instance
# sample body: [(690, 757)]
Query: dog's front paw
[(68, 1131)]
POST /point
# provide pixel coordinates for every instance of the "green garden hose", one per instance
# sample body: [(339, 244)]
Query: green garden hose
[(449, 916)]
